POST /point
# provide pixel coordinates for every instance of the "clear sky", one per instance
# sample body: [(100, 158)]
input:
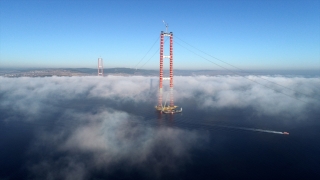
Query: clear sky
[(249, 34)]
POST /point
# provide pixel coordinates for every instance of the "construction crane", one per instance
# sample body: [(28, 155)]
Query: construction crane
[(166, 24)]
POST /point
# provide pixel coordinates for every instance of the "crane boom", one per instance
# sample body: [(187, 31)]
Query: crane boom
[(166, 24)]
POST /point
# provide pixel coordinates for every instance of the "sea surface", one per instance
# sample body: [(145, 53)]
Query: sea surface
[(111, 138)]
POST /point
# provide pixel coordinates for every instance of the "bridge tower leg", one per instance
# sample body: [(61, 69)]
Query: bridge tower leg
[(171, 70), (161, 70)]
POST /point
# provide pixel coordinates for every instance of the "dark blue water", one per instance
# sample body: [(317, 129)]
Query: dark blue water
[(215, 152)]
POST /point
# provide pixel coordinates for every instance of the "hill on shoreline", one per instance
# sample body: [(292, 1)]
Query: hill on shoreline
[(45, 72)]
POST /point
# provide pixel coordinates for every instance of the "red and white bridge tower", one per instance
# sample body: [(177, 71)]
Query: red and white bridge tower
[(100, 67), (171, 107)]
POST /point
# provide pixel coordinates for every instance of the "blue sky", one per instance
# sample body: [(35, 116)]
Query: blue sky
[(263, 34)]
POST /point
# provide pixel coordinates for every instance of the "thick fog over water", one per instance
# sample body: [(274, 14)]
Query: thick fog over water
[(107, 127)]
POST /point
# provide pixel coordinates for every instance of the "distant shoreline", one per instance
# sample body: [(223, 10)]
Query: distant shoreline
[(48, 72)]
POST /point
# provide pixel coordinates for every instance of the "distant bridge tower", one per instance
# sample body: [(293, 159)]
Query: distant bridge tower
[(171, 107), (100, 67)]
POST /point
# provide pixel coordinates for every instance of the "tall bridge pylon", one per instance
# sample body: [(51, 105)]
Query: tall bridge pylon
[(100, 67), (163, 108)]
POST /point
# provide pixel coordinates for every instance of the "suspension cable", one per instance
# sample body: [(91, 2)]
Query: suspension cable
[(243, 71), (240, 74), (146, 53), (152, 55)]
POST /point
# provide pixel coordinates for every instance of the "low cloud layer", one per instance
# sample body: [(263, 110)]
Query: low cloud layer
[(262, 94), (82, 126), (110, 139), (31, 95), (210, 92)]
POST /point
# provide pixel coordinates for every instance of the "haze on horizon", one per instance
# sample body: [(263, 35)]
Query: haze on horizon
[(248, 34)]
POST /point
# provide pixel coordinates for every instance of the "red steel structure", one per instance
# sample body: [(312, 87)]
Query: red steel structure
[(171, 69), (161, 78), (161, 70), (100, 67)]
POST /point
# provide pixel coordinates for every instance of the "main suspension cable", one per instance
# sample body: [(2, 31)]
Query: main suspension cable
[(240, 74), (242, 71), (146, 53)]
